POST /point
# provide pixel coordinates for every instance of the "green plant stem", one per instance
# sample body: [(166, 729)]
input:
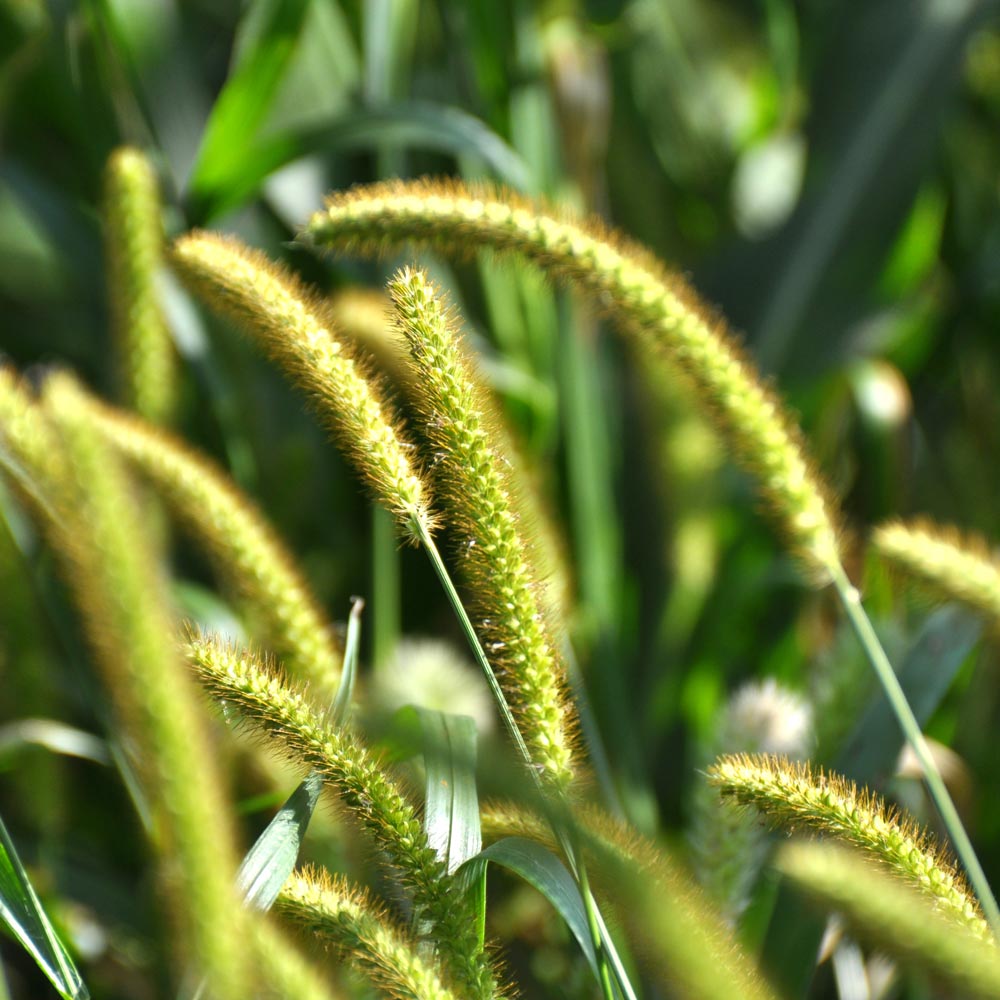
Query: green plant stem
[(851, 600), (385, 568), (608, 960)]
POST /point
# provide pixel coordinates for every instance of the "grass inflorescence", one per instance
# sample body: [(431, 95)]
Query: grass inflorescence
[(290, 324), (494, 555), (790, 795), (638, 292)]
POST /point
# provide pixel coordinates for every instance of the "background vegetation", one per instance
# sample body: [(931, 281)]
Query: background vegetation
[(827, 173)]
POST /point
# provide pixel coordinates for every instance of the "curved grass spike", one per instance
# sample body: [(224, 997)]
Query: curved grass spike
[(348, 920), (133, 236), (292, 327), (953, 564), (893, 917), (645, 299), (495, 559), (247, 553), (297, 729), (791, 796), (639, 293), (123, 607)]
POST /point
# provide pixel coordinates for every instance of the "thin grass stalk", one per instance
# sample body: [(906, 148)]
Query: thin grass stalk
[(603, 943), (851, 600)]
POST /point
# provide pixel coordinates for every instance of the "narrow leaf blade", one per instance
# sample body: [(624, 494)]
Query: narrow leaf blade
[(539, 867), (270, 861), (23, 914), (451, 814)]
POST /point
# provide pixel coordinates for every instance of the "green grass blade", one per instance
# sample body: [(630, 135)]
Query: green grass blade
[(246, 97), (270, 861), (23, 914), (451, 812), (903, 106), (342, 703), (927, 672), (539, 867), (420, 124)]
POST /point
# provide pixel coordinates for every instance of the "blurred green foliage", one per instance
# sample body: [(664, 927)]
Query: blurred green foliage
[(827, 173)]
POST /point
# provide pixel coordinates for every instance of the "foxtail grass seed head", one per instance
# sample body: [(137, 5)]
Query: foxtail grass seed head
[(30, 454), (246, 551), (253, 691), (888, 913), (133, 236), (791, 796), (639, 293), (495, 557), (123, 603), (290, 324), (347, 919), (728, 845), (956, 565)]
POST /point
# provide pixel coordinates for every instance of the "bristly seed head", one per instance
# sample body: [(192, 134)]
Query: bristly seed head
[(272, 306), (639, 293), (474, 482)]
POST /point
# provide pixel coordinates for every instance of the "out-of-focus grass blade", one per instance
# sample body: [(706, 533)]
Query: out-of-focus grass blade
[(54, 736), (868, 756), (272, 858), (24, 916), (451, 813), (541, 868), (891, 121), (938, 652), (246, 96), (423, 124)]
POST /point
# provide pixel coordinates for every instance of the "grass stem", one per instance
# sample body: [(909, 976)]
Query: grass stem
[(851, 600), (609, 962)]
